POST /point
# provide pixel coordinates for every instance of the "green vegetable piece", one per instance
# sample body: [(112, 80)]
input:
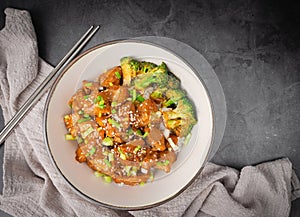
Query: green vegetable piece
[(69, 137), (163, 163), (86, 96), (107, 179), (110, 157), (118, 75), (98, 174), (107, 162), (91, 151), (136, 149), (84, 119), (114, 123), (181, 119), (122, 155), (88, 84), (107, 141), (87, 132)]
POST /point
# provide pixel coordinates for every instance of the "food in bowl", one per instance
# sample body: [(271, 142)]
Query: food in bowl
[(132, 120)]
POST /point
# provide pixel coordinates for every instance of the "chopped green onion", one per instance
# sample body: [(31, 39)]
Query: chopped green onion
[(91, 151), (107, 179), (107, 162), (139, 132), (163, 163), (134, 170), (113, 111), (133, 94), (84, 120), (110, 156), (118, 75), (142, 183), (169, 103), (86, 116), (107, 141), (102, 106), (122, 155), (80, 112), (140, 98), (88, 84), (79, 139), (137, 148), (87, 132), (129, 132), (69, 137), (86, 96), (98, 174), (145, 134), (114, 123), (114, 104)]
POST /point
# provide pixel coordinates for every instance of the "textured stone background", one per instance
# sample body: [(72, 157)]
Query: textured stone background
[(253, 46)]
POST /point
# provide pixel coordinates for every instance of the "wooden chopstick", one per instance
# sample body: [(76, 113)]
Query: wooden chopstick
[(46, 84)]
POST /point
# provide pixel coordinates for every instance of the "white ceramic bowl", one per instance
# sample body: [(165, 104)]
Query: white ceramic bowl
[(80, 177)]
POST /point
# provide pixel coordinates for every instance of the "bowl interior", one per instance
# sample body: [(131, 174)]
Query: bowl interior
[(165, 186)]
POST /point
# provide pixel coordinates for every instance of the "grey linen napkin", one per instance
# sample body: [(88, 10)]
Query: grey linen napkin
[(33, 187)]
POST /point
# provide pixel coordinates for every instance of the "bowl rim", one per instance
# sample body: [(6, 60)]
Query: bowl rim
[(45, 134)]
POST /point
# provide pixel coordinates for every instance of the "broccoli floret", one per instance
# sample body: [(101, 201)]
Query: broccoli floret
[(146, 67), (181, 119), (157, 75), (173, 82), (173, 96), (130, 68)]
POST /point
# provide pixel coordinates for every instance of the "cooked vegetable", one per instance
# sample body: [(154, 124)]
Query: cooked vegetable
[(157, 76), (181, 119)]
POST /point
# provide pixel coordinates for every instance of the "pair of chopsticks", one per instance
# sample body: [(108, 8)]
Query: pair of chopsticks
[(46, 84)]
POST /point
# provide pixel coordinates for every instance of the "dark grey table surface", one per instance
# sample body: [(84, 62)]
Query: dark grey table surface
[(253, 46)]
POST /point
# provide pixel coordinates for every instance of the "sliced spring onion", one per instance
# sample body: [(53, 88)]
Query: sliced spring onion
[(118, 75), (145, 134), (98, 174), (91, 151), (129, 132), (107, 179), (86, 116), (88, 84), (122, 155), (110, 156), (107, 141), (80, 112), (83, 120), (134, 170), (114, 123), (113, 111), (87, 132), (108, 164), (133, 94), (69, 137), (86, 96), (114, 104), (137, 148), (142, 183), (79, 139), (163, 163)]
